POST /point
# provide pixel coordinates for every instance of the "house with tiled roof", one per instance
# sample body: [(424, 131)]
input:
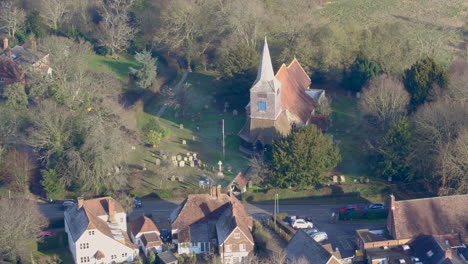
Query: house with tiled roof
[(239, 183), (97, 232), (277, 103), (204, 222), (145, 234), (445, 217), (303, 249)]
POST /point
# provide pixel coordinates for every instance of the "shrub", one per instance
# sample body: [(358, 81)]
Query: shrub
[(103, 50)]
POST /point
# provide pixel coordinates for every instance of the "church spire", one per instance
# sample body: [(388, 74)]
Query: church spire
[(265, 69)]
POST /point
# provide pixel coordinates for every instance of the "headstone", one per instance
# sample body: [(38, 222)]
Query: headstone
[(174, 163), (144, 167), (194, 156), (342, 178), (190, 158), (164, 157), (199, 163), (226, 105), (355, 180), (181, 179), (335, 178), (179, 157), (234, 112), (117, 169), (229, 168), (173, 178), (173, 158), (193, 138), (187, 154), (367, 180), (181, 126), (181, 163), (184, 142), (198, 128), (206, 106), (220, 175), (133, 147), (358, 95), (192, 163), (158, 162), (185, 159)]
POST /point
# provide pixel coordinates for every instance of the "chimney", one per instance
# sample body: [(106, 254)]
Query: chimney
[(218, 190), (392, 202), (33, 45), (448, 253), (111, 205), (80, 202), (5, 43), (213, 191)]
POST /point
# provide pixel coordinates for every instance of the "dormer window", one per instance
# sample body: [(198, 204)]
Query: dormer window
[(262, 106)]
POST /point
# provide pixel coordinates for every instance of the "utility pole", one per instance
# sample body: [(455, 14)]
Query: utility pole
[(224, 154), (276, 208)]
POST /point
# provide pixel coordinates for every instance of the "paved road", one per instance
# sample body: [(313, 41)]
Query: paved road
[(341, 234)]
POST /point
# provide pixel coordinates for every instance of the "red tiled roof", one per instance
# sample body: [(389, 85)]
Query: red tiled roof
[(241, 180), (430, 216), (10, 70), (143, 224), (294, 82), (100, 206), (151, 240)]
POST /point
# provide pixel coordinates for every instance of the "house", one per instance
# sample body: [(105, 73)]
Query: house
[(166, 257), (303, 249), (277, 103), (14, 62), (204, 222), (97, 232), (444, 217), (239, 183), (431, 250), (146, 235)]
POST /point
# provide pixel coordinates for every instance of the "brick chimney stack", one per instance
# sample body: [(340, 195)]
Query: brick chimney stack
[(392, 202), (80, 202), (33, 45), (5, 43), (111, 204), (213, 191), (218, 190)]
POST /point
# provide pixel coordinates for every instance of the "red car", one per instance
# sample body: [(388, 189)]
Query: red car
[(349, 208), (44, 234)]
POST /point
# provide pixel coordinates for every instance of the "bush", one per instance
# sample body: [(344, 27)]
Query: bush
[(367, 214), (103, 50)]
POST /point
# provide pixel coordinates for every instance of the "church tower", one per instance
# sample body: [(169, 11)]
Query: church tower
[(265, 94)]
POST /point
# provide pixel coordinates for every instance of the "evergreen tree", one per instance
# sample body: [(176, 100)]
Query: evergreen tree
[(393, 151), (301, 158), (52, 185), (35, 25), (146, 75), (361, 71), (420, 79)]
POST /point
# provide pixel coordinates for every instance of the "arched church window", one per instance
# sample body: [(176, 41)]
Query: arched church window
[(262, 106)]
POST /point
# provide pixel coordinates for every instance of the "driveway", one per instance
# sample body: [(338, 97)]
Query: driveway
[(340, 234)]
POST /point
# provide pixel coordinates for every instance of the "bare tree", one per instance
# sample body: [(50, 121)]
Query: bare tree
[(115, 30), (19, 168), (277, 257), (384, 100), (54, 11), (12, 18), (19, 222)]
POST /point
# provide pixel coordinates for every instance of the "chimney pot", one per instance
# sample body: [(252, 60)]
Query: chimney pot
[(448, 253), (218, 190), (80, 202), (5, 43), (111, 205)]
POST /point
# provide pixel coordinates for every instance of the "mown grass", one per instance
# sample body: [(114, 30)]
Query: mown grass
[(120, 67)]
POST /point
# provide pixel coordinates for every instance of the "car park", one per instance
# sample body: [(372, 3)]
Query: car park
[(376, 207), (320, 236), (301, 223), (349, 208)]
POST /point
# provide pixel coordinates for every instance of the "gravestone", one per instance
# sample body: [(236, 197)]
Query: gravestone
[(164, 157), (198, 128), (367, 180), (190, 158), (173, 158), (181, 126), (335, 178), (174, 163), (144, 167), (229, 168), (184, 142), (181, 163), (342, 178), (187, 154), (206, 106), (185, 159), (354, 180), (133, 147), (192, 163), (193, 138), (234, 112), (173, 178), (179, 157), (194, 156), (158, 162), (358, 95), (181, 179)]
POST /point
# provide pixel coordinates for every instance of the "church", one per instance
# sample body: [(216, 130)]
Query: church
[(277, 103)]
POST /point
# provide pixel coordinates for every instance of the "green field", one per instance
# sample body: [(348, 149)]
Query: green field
[(120, 67)]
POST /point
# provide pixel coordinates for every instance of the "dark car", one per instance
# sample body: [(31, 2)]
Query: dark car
[(349, 208), (376, 207), (67, 204), (165, 235)]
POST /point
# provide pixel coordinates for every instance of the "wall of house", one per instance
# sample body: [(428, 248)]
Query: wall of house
[(191, 248), (106, 245), (236, 253), (137, 240)]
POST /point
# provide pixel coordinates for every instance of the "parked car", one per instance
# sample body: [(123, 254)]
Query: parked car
[(376, 207), (67, 204), (137, 203), (311, 231), (320, 236), (349, 208), (301, 223), (44, 234), (165, 235)]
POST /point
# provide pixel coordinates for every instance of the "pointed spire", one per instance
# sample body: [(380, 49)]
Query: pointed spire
[(265, 69)]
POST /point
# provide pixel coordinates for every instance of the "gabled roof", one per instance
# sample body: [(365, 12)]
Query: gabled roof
[(294, 82), (430, 216), (303, 247), (422, 245), (241, 180), (143, 224), (231, 221), (151, 240), (85, 218), (10, 70), (100, 206)]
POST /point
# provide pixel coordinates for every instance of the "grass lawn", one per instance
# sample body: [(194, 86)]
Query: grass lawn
[(120, 67)]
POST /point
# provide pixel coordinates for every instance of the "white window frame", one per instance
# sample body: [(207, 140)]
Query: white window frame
[(237, 235), (228, 248)]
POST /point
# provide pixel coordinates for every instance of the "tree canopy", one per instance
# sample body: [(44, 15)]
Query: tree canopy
[(302, 158), (361, 71)]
